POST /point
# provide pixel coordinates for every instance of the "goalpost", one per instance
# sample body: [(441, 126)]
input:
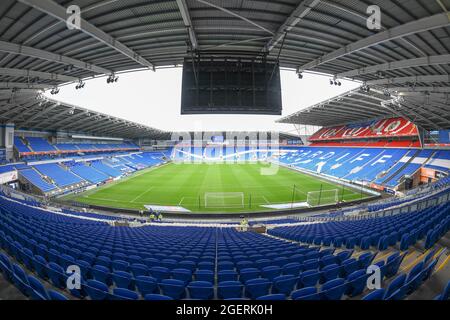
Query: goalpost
[(224, 200), (322, 197)]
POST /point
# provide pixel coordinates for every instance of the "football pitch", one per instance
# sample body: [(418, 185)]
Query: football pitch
[(216, 188)]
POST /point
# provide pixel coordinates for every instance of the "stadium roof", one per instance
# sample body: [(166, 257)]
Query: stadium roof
[(412, 48), (431, 112), (30, 111)]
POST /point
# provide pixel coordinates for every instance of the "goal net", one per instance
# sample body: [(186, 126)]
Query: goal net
[(324, 197), (224, 200)]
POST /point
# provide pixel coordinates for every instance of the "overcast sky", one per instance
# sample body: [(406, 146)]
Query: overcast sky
[(154, 99)]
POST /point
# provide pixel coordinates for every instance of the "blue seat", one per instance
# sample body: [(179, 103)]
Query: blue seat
[(139, 269), (85, 269), (20, 279), (103, 261), (37, 289), (225, 265), (66, 260), (6, 267), (375, 295), (273, 297), (445, 295), (27, 256), (206, 265), (413, 280), (173, 288), (57, 275), (292, 268), (333, 290), (349, 266), (123, 280), (40, 266), (394, 286), (184, 275), (284, 284), (146, 285), (102, 274), (124, 294), (330, 272), (356, 283), (309, 278), (96, 290), (160, 273), (365, 260), (271, 272), (255, 288), (158, 297), (204, 275), (202, 290), (227, 275), (311, 264), (247, 274), (229, 289), (120, 265), (308, 293), (55, 295)]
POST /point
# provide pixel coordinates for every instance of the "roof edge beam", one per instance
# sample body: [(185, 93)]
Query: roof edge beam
[(413, 27), (182, 5), (36, 74), (413, 79), (18, 49), (59, 12), (407, 63)]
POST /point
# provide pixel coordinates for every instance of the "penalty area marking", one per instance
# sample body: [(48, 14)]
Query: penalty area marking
[(140, 195)]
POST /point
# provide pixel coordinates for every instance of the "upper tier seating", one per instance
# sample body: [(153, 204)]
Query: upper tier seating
[(35, 178), (20, 146), (62, 178), (40, 144), (88, 173)]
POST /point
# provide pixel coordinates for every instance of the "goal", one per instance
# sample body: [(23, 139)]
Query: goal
[(324, 197), (224, 200)]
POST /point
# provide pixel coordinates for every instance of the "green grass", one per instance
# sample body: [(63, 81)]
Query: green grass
[(186, 184)]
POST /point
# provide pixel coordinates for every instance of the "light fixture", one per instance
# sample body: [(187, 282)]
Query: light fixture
[(300, 76), (80, 85), (112, 78), (54, 91)]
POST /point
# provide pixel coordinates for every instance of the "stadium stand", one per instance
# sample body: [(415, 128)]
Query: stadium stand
[(118, 262), (61, 177), (36, 179), (88, 173)]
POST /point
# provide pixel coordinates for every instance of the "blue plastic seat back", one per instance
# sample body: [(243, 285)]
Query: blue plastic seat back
[(375, 295), (38, 291), (308, 293), (55, 295), (273, 297), (202, 290), (284, 284), (158, 297), (255, 288), (124, 294), (229, 289), (146, 285), (97, 290), (173, 288), (334, 289)]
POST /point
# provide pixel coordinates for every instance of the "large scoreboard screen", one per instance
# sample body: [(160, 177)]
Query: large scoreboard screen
[(231, 87)]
